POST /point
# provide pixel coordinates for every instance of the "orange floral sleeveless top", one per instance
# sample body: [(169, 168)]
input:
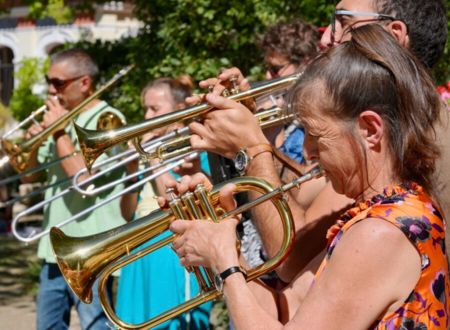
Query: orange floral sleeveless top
[(412, 211)]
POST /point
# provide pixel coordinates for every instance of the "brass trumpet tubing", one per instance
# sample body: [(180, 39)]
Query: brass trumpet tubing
[(207, 295), (181, 145), (93, 257), (93, 143), (82, 260)]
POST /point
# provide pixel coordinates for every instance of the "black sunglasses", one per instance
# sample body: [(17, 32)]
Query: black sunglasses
[(60, 83), (274, 69)]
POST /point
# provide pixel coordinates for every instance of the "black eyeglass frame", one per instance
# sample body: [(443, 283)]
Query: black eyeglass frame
[(376, 16)]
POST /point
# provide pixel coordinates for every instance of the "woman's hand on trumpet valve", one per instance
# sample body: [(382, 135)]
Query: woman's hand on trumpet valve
[(226, 130), (205, 243), (183, 185)]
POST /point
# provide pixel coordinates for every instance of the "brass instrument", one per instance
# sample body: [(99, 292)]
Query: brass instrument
[(84, 259), (170, 148), (15, 157), (181, 145), (106, 121), (93, 143)]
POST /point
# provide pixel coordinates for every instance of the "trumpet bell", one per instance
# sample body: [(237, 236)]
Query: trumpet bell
[(64, 245)]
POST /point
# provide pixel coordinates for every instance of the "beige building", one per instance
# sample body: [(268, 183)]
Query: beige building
[(21, 38)]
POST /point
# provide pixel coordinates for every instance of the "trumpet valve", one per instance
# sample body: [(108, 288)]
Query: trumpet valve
[(235, 88)]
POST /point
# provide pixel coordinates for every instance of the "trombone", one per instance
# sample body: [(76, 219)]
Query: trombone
[(82, 260), (172, 163), (107, 120), (94, 143), (15, 157), (174, 145)]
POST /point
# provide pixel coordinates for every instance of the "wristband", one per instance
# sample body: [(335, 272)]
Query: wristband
[(219, 279)]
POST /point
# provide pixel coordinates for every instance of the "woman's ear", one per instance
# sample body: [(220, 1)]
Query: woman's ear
[(371, 127), (399, 30)]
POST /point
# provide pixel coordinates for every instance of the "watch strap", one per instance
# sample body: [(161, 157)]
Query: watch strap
[(291, 164), (255, 150), (229, 271)]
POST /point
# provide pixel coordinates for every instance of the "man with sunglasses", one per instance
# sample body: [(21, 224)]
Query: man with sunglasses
[(70, 78), (419, 26)]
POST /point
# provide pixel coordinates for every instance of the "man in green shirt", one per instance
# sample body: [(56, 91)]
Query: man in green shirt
[(70, 79)]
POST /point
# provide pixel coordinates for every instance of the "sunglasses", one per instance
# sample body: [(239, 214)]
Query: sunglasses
[(374, 16), (60, 83), (275, 69)]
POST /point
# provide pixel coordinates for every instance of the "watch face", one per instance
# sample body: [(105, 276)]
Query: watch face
[(218, 283), (241, 161)]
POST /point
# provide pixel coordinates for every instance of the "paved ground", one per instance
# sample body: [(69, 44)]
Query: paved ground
[(19, 269)]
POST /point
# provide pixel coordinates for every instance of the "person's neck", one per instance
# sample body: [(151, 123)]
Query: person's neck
[(89, 105), (379, 177)]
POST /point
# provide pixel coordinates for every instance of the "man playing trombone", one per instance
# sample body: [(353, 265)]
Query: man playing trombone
[(71, 80)]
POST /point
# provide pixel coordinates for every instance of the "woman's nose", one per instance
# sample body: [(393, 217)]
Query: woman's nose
[(310, 151)]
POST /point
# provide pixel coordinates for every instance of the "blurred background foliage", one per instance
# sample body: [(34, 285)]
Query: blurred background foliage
[(195, 37)]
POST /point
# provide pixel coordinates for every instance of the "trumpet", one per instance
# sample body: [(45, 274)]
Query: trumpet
[(84, 259), (93, 143), (15, 157), (174, 145)]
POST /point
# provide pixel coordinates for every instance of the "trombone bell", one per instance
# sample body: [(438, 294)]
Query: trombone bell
[(82, 260)]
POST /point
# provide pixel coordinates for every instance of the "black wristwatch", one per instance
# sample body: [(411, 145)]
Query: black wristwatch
[(245, 155), (219, 279)]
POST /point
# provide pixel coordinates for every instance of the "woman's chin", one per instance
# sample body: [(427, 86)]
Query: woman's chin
[(337, 185)]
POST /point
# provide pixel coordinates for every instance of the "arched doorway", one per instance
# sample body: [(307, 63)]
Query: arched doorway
[(6, 74)]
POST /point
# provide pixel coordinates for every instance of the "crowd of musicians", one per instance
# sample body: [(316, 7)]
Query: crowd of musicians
[(370, 136)]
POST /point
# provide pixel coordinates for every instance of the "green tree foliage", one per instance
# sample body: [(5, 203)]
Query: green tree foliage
[(30, 72), (441, 71), (198, 37), (52, 8), (195, 37)]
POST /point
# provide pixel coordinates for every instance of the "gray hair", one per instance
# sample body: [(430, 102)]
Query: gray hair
[(81, 60)]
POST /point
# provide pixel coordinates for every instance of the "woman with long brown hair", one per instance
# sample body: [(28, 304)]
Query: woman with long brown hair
[(369, 110)]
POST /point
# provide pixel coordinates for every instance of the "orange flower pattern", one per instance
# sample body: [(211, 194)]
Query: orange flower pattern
[(410, 209)]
